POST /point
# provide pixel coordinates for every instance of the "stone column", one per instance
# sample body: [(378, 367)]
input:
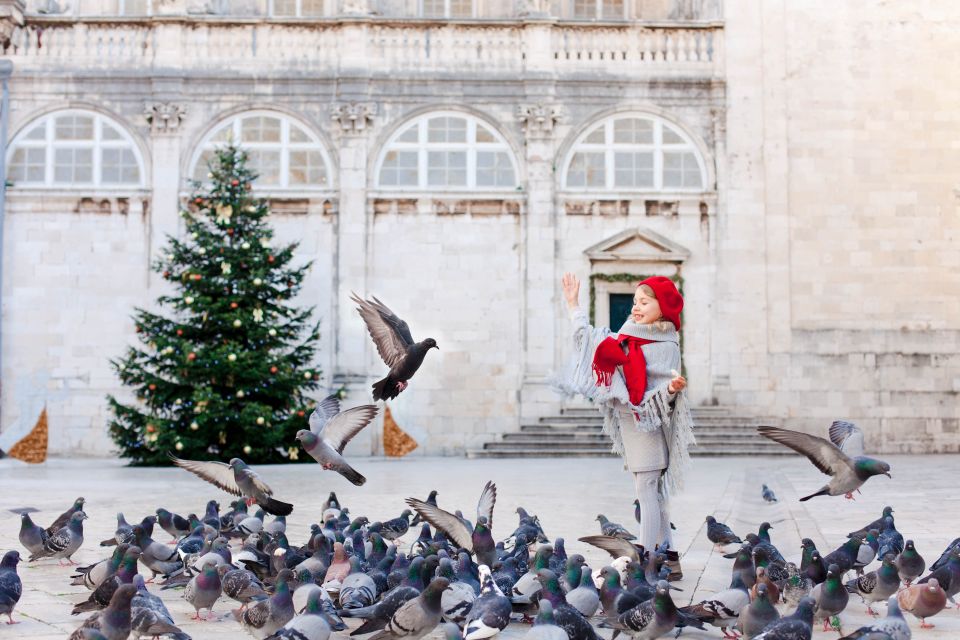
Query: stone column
[(539, 302), (352, 227), (164, 117)]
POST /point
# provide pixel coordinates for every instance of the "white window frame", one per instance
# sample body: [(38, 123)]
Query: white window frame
[(284, 146), (570, 6), (609, 148), (298, 11), (98, 144), (423, 147), (421, 12)]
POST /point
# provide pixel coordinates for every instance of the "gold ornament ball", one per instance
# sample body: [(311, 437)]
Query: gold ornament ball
[(272, 332), (232, 357), (245, 245), (194, 426), (260, 420), (201, 251), (188, 299), (170, 256), (237, 323), (257, 281), (178, 446), (240, 393), (194, 235), (307, 375), (247, 449)]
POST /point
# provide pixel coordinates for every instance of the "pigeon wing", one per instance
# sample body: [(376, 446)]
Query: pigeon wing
[(340, 429), (394, 321), (824, 456), (488, 498), (445, 521), (216, 473), (251, 475), (326, 409), (391, 345), (616, 547), (848, 437)]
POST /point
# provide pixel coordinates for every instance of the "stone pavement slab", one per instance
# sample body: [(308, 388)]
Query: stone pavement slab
[(567, 495)]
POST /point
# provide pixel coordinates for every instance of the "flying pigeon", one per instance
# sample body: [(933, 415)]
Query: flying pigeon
[(840, 459), (331, 430), (395, 344), (236, 478), (480, 539)]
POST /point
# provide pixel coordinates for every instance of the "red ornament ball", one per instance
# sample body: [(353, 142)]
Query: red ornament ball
[(234, 182), (166, 274), (300, 413), (234, 305), (229, 233), (151, 428), (273, 369), (179, 332), (269, 258), (138, 329), (195, 276), (152, 387), (191, 356)]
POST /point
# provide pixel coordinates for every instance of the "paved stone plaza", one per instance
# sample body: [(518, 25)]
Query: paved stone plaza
[(566, 494)]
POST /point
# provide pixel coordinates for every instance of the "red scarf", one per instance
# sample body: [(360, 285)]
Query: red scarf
[(609, 355)]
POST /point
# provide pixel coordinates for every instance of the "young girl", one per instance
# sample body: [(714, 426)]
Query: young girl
[(632, 378)]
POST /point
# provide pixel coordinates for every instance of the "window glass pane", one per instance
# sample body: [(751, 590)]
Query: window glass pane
[(633, 131), (203, 166), (633, 169), (612, 9), (446, 168), (399, 169), (484, 134), (119, 166), (671, 137), (260, 129), (266, 164), (595, 136), (461, 8), (37, 133), (586, 170), (73, 166), (306, 167), (223, 135), (410, 135), (680, 169), (109, 133), (311, 8), (28, 165), (585, 9), (494, 169), (74, 127), (284, 7), (433, 8), (447, 129), (298, 135)]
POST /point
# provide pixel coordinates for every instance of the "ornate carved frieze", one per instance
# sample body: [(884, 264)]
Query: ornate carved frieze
[(164, 117), (354, 117), (538, 120)]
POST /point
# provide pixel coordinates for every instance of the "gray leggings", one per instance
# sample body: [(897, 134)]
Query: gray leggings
[(654, 512)]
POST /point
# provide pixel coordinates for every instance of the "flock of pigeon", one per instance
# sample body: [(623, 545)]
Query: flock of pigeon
[(455, 575)]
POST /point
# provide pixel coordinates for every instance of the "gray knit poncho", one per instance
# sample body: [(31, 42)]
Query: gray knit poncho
[(659, 410)]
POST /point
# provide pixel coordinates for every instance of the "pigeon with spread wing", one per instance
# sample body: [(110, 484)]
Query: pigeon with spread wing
[(331, 430), (841, 457), (395, 344), (479, 540), (239, 479)]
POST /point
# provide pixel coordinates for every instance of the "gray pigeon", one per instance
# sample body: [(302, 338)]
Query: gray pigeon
[(103, 594), (758, 614), (848, 467), (894, 625), (831, 597), (241, 585), (203, 590), (584, 598), (910, 564), (65, 542), (395, 344), (64, 517), (796, 626), (479, 539), (768, 494), (878, 585), (32, 536), (722, 608), (239, 479), (357, 590), (266, 617), (149, 616), (490, 613), (310, 625), (114, 622), (396, 527), (417, 617), (458, 598), (10, 586), (650, 619), (614, 529), (331, 430), (123, 533), (544, 626), (720, 534)]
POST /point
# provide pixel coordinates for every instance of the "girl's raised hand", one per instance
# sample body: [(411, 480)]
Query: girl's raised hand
[(571, 289), (678, 384)]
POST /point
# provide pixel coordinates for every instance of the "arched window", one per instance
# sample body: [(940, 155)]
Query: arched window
[(74, 148), (446, 151), (634, 153), (284, 153)]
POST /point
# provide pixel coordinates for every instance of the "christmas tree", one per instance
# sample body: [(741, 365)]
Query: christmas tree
[(224, 372)]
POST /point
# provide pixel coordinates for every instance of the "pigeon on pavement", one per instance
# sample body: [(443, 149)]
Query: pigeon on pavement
[(848, 468), (32, 536), (417, 617), (11, 588), (236, 478), (310, 625), (768, 494), (544, 626), (149, 616), (650, 619), (203, 590), (114, 622), (103, 594), (796, 626), (910, 564), (894, 625), (614, 529), (395, 344), (490, 613), (876, 586), (923, 601), (831, 597), (331, 430), (266, 617), (876, 524), (758, 614), (720, 534), (65, 542), (479, 541), (723, 608), (64, 517)]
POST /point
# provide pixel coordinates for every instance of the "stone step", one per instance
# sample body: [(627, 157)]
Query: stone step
[(706, 430), (526, 436), (548, 445), (536, 452)]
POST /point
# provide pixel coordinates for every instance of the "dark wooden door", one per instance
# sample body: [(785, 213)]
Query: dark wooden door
[(620, 307)]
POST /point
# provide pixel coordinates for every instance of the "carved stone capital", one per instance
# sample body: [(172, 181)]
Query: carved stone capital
[(164, 117), (538, 119), (354, 117), (11, 17)]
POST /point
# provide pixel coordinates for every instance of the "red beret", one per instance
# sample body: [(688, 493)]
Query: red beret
[(671, 302)]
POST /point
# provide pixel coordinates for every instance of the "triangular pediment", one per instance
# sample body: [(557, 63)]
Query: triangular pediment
[(638, 245)]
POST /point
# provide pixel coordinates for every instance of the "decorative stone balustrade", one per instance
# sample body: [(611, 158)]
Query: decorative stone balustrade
[(630, 49)]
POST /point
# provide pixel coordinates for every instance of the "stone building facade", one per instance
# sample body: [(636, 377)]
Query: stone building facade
[(454, 157)]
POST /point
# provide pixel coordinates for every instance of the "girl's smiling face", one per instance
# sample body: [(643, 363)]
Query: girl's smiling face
[(646, 309)]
